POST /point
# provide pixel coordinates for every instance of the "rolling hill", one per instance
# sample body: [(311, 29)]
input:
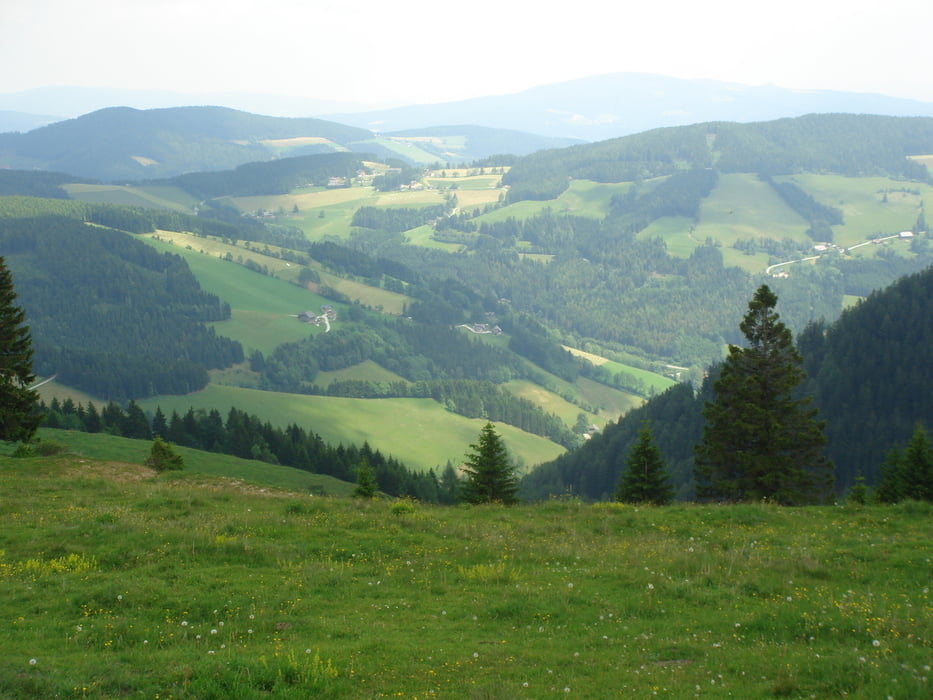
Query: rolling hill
[(593, 263), (121, 144)]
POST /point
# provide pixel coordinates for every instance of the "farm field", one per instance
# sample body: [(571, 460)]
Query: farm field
[(119, 582), (397, 427), (862, 201), (738, 208), (146, 196)]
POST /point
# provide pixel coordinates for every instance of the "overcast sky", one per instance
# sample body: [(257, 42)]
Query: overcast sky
[(407, 51)]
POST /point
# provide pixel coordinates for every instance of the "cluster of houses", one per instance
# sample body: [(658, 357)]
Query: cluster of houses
[(328, 314)]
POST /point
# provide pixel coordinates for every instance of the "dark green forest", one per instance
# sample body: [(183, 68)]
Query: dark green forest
[(108, 314), (869, 375)]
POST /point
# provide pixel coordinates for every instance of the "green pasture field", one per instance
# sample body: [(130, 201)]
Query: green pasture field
[(519, 211), (758, 262), (612, 403), (407, 148), (321, 212), (147, 196), (424, 236), (366, 371), (475, 200), (372, 297), (676, 232), (547, 400), (588, 198), (264, 309), (307, 198), (861, 200), (652, 380), (581, 198), (742, 206), (101, 446), (54, 390), (656, 381), (467, 182), (408, 198), (419, 432), (115, 582)]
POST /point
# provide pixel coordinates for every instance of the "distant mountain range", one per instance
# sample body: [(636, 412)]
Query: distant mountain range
[(588, 109), (608, 106), (126, 144)]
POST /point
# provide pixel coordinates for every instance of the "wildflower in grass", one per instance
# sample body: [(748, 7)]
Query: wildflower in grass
[(875, 643), (33, 662)]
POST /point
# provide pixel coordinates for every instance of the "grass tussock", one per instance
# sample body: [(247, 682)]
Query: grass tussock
[(168, 586)]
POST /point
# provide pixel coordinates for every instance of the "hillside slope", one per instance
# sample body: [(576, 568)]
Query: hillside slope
[(869, 374), (122, 144)]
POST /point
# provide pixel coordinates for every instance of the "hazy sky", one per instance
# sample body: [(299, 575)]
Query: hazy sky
[(403, 51)]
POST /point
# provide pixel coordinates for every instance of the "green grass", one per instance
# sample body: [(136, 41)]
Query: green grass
[(742, 206), (862, 203), (118, 583), (676, 232), (147, 196), (366, 371), (101, 446), (419, 432)]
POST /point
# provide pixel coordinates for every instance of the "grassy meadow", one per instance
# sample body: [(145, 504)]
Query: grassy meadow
[(119, 582), (419, 432)]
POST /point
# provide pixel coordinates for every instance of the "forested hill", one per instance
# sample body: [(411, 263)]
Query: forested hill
[(108, 314), (120, 144), (129, 144), (854, 145), (869, 374)]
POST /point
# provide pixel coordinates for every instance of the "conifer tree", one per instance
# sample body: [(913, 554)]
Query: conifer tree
[(163, 458), (762, 441), (18, 418), (645, 479), (908, 472), (918, 466), (366, 486), (490, 476), (891, 486)]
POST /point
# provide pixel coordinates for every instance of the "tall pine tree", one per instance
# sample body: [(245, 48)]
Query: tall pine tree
[(761, 440), (645, 479), (490, 476), (18, 419)]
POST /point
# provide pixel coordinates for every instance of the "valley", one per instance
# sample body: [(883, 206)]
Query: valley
[(612, 271)]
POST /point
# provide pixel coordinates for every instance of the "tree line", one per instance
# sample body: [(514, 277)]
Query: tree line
[(243, 435)]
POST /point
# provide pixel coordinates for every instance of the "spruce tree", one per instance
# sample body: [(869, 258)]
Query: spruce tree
[(908, 473), (18, 418), (891, 485), (490, 476), (761, 440), (918, 466), (366, 486), (162, 457), (645, 479)]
